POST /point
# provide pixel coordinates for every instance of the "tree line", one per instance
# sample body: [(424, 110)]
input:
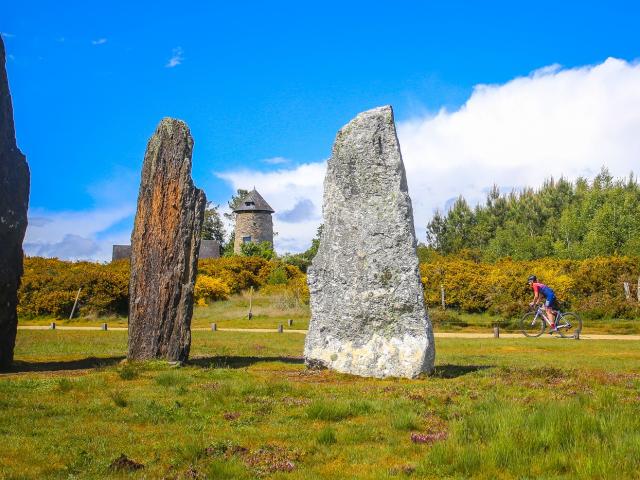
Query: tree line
[(561, 219)]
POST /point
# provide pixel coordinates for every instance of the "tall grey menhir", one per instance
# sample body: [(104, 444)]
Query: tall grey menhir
[(368, 315), (14, 201), (164, 247)]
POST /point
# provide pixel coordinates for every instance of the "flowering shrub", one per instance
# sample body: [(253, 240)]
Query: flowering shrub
[(294, 293), (210, 289), (593, 286), (49, 286)]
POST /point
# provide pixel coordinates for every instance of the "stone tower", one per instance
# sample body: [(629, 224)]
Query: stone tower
[(253, 221)]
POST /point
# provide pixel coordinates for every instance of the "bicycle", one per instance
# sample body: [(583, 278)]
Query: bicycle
[(533, 324)]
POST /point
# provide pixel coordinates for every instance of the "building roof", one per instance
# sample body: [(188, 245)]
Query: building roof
[(253, 202)]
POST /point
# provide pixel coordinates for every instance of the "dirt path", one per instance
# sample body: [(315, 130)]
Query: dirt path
[(585, 336)]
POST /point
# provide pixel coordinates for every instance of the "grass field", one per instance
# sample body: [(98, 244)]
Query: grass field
[(246, 407), (270, 311)]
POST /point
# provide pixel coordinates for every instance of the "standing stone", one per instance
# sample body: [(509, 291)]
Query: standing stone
[(14, 201), (164, 247), (367, 308)]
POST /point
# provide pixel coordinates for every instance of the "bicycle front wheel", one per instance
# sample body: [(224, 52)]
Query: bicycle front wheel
[(531, 325), (569, 325)]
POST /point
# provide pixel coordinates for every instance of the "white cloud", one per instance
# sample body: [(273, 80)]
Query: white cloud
[(275, 161), (86, 234), (76, 235), (99, 41), (553, 122), (71, 247), (303, 210), (176, 58)]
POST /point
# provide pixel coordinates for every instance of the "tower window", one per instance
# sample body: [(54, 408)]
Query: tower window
[(246, 239), (249, 204)]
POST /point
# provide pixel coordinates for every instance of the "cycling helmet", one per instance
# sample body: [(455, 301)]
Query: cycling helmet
[(532, 278)]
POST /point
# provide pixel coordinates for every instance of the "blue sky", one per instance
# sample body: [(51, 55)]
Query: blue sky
[(264, 86)]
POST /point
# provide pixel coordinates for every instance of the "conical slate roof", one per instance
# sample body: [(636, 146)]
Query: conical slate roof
[(253, 202)]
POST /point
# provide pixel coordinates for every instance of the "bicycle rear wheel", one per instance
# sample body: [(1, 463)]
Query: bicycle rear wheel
[(532, 325), (569, 325)]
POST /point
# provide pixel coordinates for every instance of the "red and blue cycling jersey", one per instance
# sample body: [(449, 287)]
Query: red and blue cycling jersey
[(545, 291), (541, 288)]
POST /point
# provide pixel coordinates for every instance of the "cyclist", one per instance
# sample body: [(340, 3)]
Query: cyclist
[(550, 299)]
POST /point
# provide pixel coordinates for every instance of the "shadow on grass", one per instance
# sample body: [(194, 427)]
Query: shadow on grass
[(20, 366), (455, 371), (240, 362)]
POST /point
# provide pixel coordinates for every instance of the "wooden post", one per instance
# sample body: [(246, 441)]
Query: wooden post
[(73, 310), (52, 326), (250, 303), (104, 326), (290, 322), (214, 327), (280, 328), (496, 331), (627, 291), (638, 290), (444, 306)]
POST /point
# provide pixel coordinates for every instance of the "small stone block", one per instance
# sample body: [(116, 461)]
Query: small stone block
[(280, 328), (52, 326), (496, 331), (290, 322), (214, 327), (104, 326)]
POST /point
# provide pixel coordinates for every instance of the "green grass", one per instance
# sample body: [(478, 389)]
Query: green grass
[(337, 410), (246, 407), (268, 311), (327, 436)]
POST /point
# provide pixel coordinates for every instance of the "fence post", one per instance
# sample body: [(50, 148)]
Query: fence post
[(280, 328), (250, 303), (638, 290), (290, 322), (444, 306), (627, 291), (73, 310), (496, 331), (214, 327), (104, 326), (52, 326)]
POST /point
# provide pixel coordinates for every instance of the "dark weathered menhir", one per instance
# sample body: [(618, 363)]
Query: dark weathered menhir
[(14, 201), (164, 247)]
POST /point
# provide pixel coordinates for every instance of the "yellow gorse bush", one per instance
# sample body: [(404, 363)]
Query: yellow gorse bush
[(49, 286), (593, 286), (210, 289)]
